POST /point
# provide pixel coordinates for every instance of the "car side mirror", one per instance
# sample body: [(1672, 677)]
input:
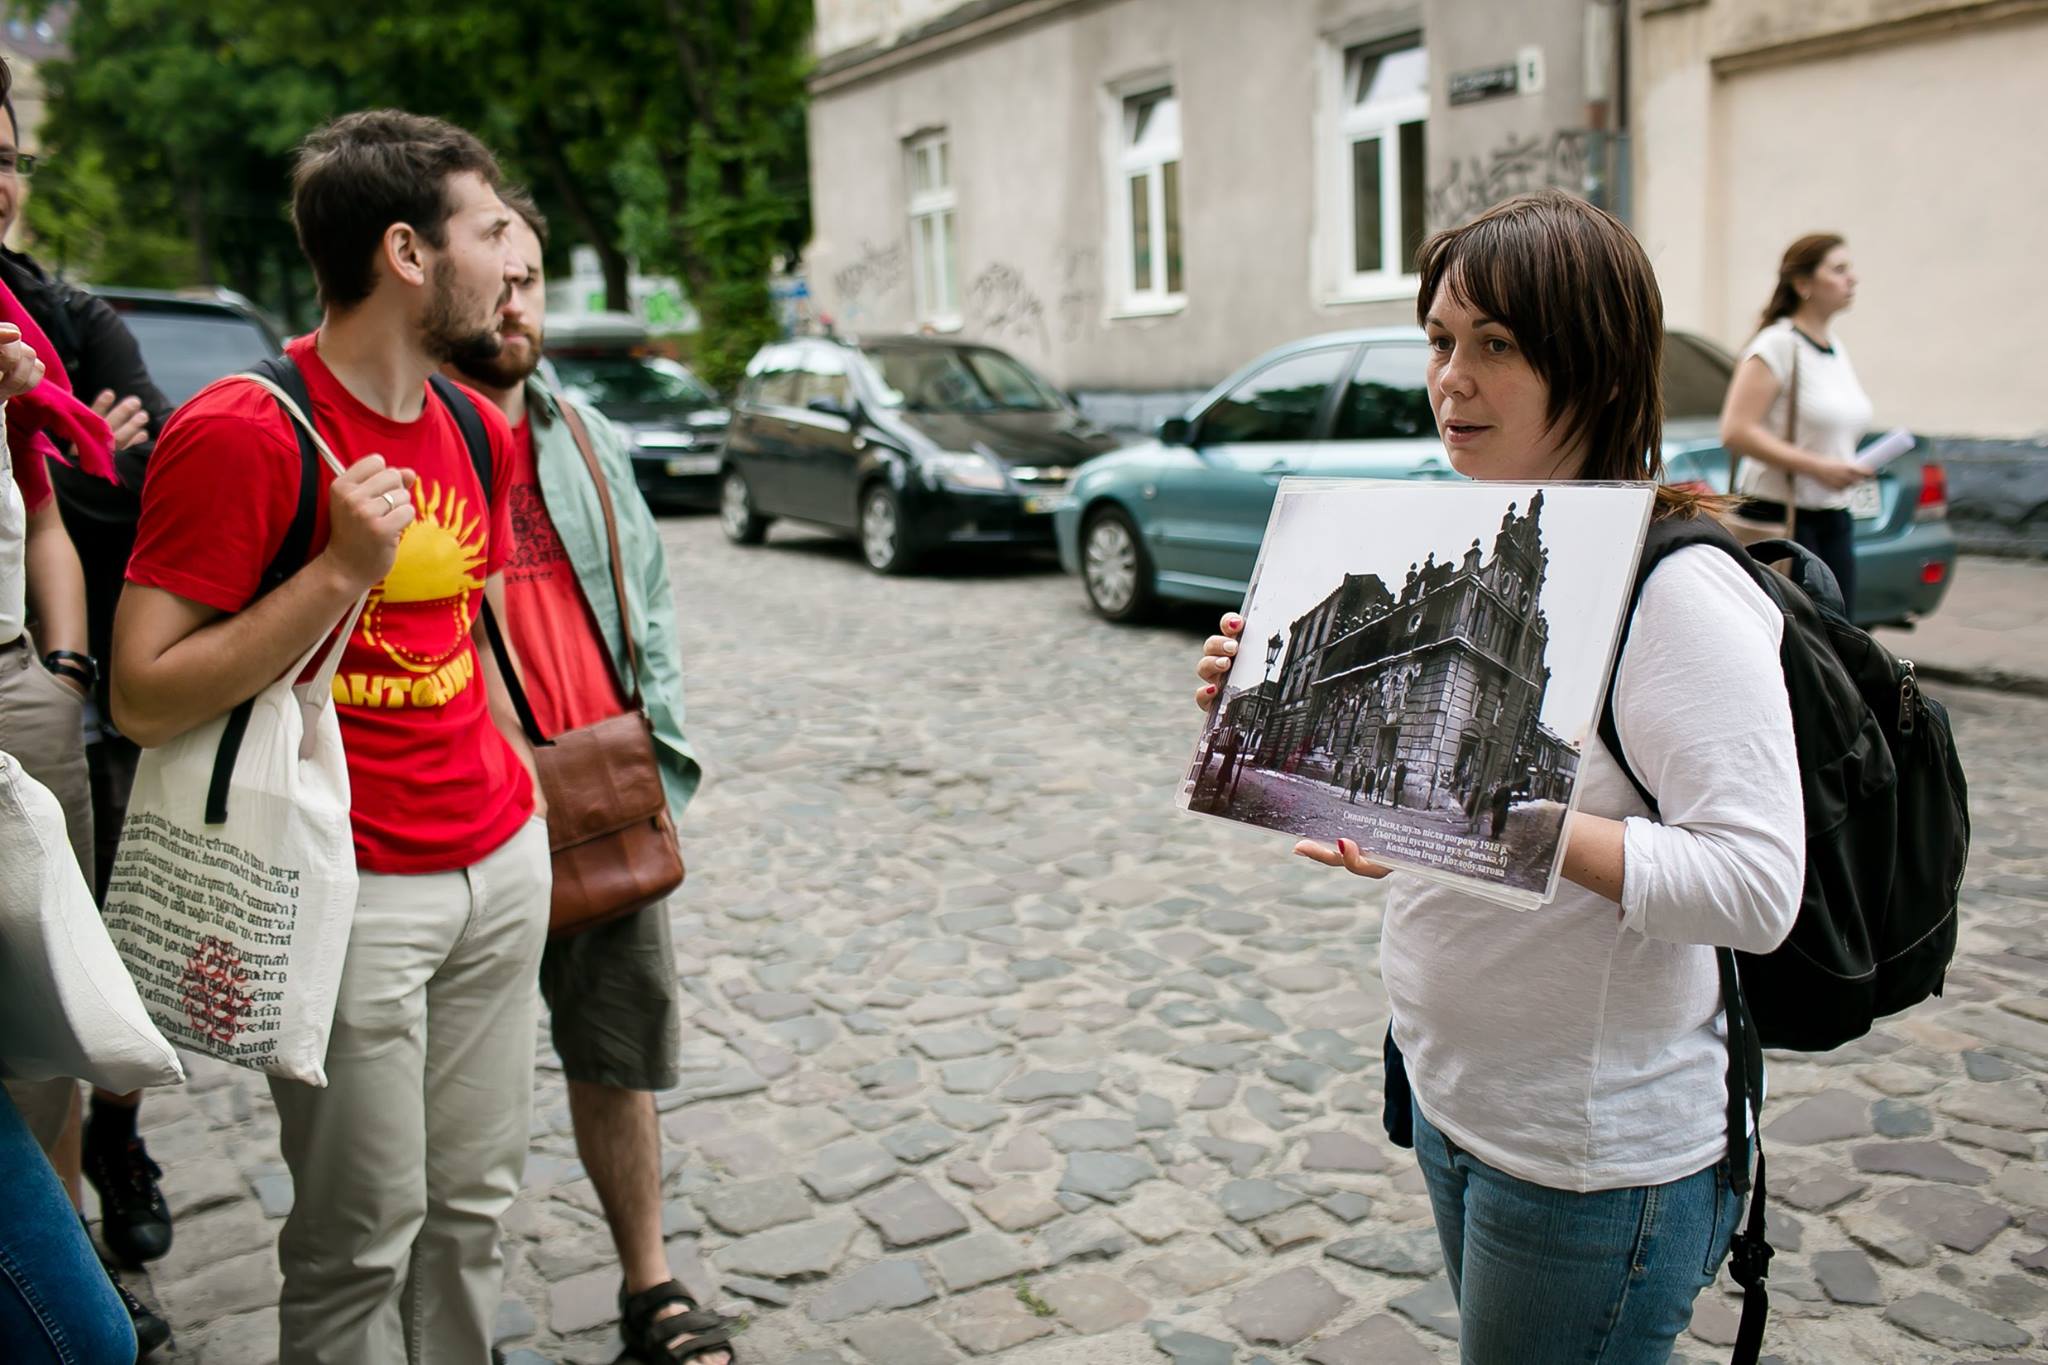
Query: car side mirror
[(1175, 431), (831, 407)]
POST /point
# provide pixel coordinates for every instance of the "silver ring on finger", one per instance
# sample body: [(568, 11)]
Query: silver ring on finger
[(390, 502)]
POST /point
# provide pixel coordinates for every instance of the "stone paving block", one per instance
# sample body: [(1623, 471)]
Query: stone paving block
[(1431, 1308), (1162, 1211), (797, 1252), (990, 1320), (1342, 1152), (219, 1234), (1015, 1206), (1285, 1309), (1093, 1135), (1886, 1238), (970, 1262), (238, 1284), (1379, 1340), (1244, 1201), (899, 1341), (512, 1321), (203, 1183), (1034, 1086), (1948, 1323), (1950, 1217), (1294, 1228), (1822, 1190), (969, 1176), (968, 1116), (1091, 1303), (1391, 1252), (582, 1302), (1996, 1107), (910, 1213), (916, 1143), (1847, 1277), (848, 1167), (1087, 1237), (1027, 1151), (1107, 1176), (1922, 1160), (876, 1288), (755, 1205), (1830, 1116), (1192, 1268)]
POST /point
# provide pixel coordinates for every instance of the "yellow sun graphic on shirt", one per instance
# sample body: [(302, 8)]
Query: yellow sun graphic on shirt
[(419, 616)]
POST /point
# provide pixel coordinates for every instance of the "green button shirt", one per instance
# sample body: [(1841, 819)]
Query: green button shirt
[(571, 502)]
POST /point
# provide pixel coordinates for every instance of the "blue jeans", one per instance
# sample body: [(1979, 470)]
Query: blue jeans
[(57, 1306), (1547, 1277)]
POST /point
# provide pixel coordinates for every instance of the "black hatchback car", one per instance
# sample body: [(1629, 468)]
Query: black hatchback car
[(910, 443)]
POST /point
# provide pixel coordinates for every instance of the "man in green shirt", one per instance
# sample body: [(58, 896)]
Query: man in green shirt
[(612, 991)]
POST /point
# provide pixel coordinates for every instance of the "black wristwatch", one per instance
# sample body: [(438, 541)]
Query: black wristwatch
[(82, 669)]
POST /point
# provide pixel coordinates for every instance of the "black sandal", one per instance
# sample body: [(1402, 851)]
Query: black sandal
[(650, 1337)]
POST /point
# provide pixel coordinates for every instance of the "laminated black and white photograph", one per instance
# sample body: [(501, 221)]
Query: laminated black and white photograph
[(1421, 667)]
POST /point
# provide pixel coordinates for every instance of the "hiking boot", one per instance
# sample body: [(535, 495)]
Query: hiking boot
[(151, 1331), (135, 1222)]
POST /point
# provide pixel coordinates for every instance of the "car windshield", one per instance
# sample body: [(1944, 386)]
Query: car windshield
[(957, 379), (1695, 379), (616, 380), (185, 351)]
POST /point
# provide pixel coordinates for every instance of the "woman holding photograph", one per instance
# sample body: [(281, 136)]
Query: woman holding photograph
[(1795, 410), (1568, 1063)]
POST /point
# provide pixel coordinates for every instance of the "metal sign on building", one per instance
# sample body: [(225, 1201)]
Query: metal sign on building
[(1485, 83)]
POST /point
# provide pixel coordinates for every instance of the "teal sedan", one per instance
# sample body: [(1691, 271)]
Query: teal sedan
[(1181, 517)]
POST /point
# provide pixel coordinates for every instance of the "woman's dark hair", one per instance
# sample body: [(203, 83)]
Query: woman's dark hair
[(1801, 259), (1575, 289), (363, 172)]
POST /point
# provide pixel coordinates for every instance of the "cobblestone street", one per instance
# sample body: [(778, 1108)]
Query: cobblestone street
[(996, 1053)]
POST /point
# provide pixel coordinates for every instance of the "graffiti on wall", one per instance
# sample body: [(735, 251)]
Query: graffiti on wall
[(874, 272), (1516, 166), (1004, 306)]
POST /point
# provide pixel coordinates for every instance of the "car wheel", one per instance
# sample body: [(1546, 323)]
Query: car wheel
[(1115, 569), (884, 539), (736, 514)]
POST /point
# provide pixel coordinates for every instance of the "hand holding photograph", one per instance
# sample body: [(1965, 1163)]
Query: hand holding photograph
[(1420, 667)]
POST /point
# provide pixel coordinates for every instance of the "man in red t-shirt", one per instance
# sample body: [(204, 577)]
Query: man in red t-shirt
[(404, 1164), (613, 995)]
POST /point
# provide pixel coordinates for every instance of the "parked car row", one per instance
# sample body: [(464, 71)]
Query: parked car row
[(910, 444)]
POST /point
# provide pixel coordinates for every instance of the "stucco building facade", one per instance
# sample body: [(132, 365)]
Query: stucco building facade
[(1138, 196)]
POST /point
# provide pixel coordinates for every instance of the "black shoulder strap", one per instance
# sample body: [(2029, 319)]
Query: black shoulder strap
[(471, 422), (1749, 1252), (478, 439), (291, 556)]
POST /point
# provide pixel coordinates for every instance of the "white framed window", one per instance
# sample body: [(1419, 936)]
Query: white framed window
[(1144, 196), (1376, 215), (934, 237)]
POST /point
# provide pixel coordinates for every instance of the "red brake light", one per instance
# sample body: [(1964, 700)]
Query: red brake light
[(1933, 571), (1933, 493)]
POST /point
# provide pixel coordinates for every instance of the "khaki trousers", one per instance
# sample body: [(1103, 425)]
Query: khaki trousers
[(404, 1165), (40, 724)]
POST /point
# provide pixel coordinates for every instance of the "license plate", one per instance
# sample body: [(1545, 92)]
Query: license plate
[(1866, 501), (692, 464), (1043, 502)]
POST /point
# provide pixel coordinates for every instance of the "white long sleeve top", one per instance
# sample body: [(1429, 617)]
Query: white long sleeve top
[(1581, 1045)]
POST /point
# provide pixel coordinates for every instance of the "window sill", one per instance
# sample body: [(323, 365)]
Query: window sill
[(1386, 291), (1149, 308)]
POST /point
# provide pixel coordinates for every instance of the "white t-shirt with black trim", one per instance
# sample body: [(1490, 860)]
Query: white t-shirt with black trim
[(1580, 1045), (1834, 412)]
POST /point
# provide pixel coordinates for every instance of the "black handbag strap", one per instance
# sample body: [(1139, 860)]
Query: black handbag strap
[(291, 556)]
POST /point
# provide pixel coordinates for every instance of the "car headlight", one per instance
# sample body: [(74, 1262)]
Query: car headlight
[(966, 469)]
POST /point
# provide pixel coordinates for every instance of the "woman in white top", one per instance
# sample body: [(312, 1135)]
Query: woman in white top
[(1568, 1063), (1814, 469)]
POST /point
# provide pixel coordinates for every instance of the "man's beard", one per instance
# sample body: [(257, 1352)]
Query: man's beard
[(501, 368), (445, 334)]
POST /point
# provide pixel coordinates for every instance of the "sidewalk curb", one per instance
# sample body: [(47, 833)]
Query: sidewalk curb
[(1984, 679)]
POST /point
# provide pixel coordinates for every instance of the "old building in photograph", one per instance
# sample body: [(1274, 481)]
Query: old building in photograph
[(1139, 196), (1437, 687)]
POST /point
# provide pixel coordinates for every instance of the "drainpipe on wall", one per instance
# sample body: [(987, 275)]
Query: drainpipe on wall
[(1606, 67)]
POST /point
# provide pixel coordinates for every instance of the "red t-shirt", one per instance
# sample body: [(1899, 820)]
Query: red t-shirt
[(435, 786), (569, 682)]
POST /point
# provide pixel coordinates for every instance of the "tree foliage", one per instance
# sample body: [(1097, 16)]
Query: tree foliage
[(667, 130)]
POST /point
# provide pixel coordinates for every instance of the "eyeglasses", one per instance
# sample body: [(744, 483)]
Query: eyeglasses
[(17, 163)]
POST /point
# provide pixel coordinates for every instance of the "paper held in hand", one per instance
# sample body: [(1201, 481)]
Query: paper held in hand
[(1885, 449), (1421, 667)]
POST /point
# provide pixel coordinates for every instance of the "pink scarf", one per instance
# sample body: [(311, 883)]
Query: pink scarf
[(48, 413)]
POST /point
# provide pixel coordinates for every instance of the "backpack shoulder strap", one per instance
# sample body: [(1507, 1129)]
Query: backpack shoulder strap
[(471, 423), (1666, 537), (298, 538)]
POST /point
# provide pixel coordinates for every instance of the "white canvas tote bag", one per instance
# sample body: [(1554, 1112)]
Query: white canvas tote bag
[(66, 1006), (234, 887)]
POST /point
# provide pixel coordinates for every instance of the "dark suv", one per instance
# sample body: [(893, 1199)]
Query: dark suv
[(911, 443), (191, 338)]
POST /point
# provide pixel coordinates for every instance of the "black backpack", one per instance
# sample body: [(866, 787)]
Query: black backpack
[(1887, 836)]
